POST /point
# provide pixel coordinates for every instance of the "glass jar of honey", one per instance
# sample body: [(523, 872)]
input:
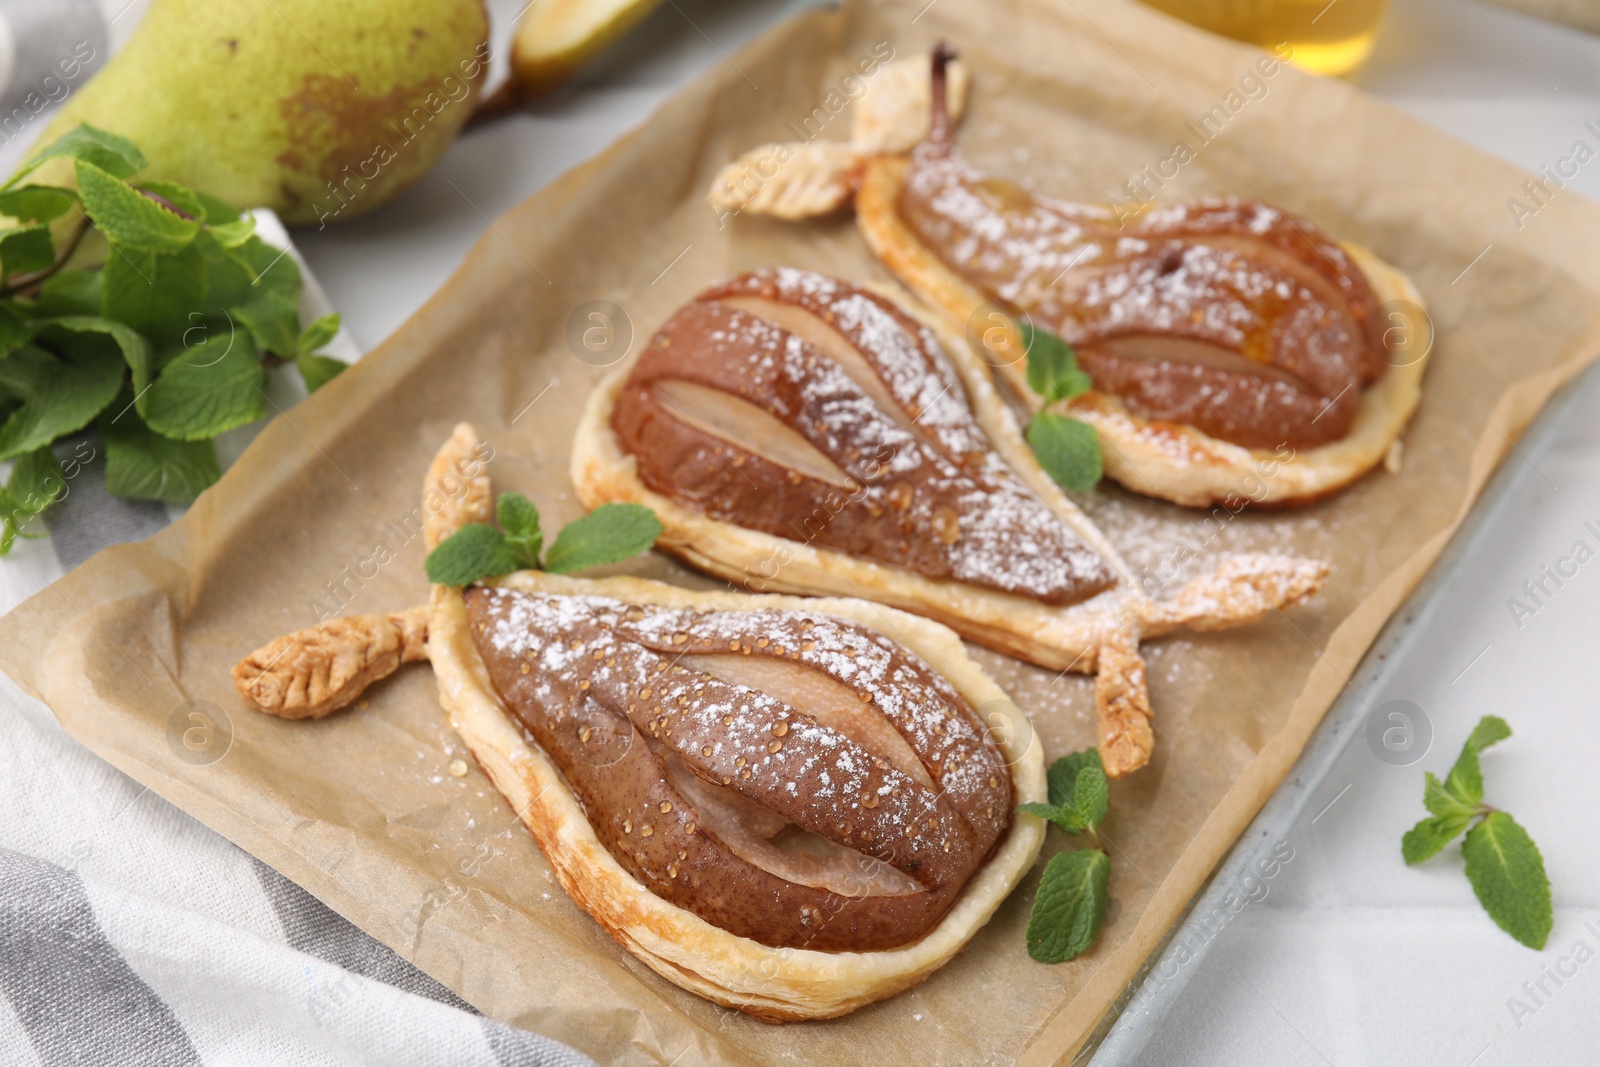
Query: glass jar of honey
[(1327, 36)]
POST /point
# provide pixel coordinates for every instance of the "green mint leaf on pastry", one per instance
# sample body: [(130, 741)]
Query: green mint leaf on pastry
[(1068, 450), (520, 520), (1052, 365), (472, 553), (608, 534), (1502, 862), (1507, 873), (1070, 907)]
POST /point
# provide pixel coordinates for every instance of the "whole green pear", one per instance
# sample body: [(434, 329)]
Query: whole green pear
[(318, 109)]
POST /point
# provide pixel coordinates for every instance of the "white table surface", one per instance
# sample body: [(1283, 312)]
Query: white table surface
[(1353, 958)]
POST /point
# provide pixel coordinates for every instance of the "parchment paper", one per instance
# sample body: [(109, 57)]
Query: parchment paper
[(1073, 99)]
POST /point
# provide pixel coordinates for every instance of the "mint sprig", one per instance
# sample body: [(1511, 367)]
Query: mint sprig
[(160, 334), (1052, 365), (1502, 862), (1068, 449), (609, 534), (1074, 891)]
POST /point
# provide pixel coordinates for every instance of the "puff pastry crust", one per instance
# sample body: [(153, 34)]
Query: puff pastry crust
[(1170, 460), (775, 984)]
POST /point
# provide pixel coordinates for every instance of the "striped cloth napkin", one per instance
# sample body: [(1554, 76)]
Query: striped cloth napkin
[(129, 933)]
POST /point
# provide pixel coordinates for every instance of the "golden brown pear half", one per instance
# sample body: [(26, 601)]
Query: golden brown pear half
[(809, 817), (1344, 390)]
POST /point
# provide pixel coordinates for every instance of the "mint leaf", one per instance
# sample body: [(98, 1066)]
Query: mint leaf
[(163, 296), (318, 371), (235, 233), (35, 481), (608, 534), (1425, 839), (1465, 780), (117, 156), (34, 485), (215, 212), (1044, 811), (134, 349), (1442, 802), (69, 292), (474, 552), (59, 396), (14, 333), (270, 305), (319, 333), (180, 197), (520, 521), (126, 217), (26, 249), (1052, 365), (1068, 450), (1063, 815), (1507, 874), (214, 386), (1070, 907), (1090, 794), (37, 203), (146, 466), (1062, 777), (315, 369)]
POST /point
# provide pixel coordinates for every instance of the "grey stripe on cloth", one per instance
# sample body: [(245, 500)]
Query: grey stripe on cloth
[(310, 926), (88, 518), (78, 999), (58, 45)]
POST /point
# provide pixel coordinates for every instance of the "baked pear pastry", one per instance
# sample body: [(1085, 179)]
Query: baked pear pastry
[(1236, 352), (790, 807), (798, 433)]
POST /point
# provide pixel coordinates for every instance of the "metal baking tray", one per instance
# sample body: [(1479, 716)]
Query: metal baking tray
[(1123, 1034)]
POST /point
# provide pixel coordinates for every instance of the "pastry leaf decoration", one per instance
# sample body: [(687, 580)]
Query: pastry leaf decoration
[(1074, 892), (1502, 862), (1067, 448), (609, 534)]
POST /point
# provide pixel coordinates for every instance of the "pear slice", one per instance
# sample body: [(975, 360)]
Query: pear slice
[(556, 37)]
